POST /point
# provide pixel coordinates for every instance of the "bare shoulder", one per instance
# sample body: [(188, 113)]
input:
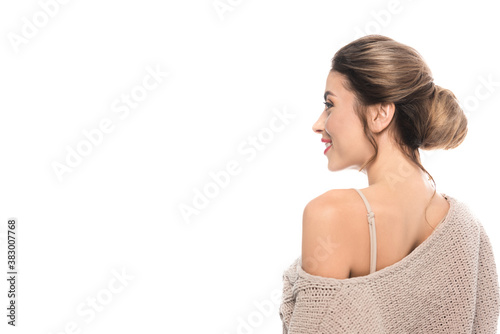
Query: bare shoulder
[(333, 199), (336, 203), (332, 202), (325, 242)]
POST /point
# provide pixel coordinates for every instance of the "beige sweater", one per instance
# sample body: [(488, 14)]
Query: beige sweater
[(448, 284)]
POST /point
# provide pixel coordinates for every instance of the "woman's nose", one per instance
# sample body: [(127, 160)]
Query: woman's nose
[(319, 125)]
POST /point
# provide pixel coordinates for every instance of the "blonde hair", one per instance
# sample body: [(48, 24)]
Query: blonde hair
[(377, 69)]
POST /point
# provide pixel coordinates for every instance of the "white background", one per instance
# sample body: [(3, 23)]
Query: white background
[(227, 76)]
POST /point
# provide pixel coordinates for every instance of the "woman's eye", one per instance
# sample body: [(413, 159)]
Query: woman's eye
[(328, 105)]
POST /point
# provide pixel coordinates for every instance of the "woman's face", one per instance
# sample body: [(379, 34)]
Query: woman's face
[(339, 123)]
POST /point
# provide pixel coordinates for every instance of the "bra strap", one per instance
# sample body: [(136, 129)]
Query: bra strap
[(373, 235)]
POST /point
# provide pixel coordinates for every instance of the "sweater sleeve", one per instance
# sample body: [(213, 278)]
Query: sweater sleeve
[(487, 297), (305, 301), (287, 299)]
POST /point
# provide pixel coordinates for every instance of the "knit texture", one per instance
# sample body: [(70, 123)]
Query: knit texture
[(448, 284)]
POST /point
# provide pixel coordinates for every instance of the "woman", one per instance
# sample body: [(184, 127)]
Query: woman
[(395, 257)]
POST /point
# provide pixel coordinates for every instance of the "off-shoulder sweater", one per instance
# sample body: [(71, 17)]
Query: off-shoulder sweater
[(448, 284)]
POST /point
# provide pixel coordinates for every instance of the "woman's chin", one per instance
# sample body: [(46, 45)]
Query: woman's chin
[(332, 167)]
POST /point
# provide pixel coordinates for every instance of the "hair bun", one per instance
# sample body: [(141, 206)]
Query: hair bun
[(447, 123)]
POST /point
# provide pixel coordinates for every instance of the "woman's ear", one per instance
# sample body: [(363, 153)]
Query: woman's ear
[(380, 116)]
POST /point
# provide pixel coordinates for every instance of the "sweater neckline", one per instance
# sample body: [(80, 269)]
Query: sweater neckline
[(393, 268)]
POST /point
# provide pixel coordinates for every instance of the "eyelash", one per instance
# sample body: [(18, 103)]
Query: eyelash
[(328, 105)]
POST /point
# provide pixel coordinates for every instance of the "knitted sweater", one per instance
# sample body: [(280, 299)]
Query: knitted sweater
[(448, 284)]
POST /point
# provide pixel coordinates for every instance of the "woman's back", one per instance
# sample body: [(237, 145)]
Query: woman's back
[(399, 223), (448, 284)]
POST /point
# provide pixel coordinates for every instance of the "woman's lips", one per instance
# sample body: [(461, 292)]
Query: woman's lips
[(326, 150), (328, 144)]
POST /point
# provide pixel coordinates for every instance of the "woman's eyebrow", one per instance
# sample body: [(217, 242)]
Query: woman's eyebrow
[(328, 93)]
